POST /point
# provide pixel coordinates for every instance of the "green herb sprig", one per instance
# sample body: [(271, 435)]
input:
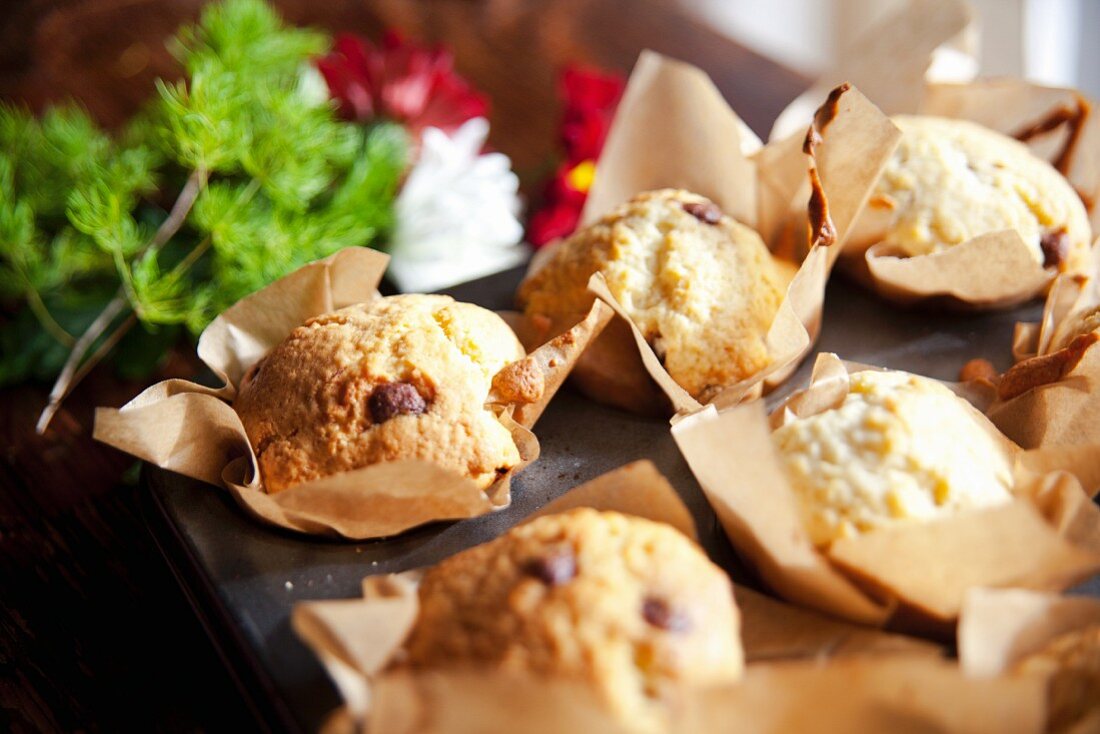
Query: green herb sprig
[(227, 181)]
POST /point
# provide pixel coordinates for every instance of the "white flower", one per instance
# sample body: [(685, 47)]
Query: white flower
[(456, 215), (312, 86)]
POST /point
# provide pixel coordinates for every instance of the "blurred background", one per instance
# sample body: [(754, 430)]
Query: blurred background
[(87, 598), (107, 52), (1050, 41)]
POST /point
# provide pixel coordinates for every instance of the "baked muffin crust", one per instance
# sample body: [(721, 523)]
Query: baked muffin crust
[(899, 448), (702, 287), (628, 605), (403, 377), (952, 180)]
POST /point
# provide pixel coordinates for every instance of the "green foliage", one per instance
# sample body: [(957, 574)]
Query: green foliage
[(277, 180), (247, 37), (31, 352), (353, 210)]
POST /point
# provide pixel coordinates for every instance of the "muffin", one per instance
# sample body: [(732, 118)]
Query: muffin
[(700, 286), (952, 180), (629, 606), (1072, 661), (899, 448), (404, 377)]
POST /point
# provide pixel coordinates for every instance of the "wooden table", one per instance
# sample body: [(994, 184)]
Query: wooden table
[(94, 632)]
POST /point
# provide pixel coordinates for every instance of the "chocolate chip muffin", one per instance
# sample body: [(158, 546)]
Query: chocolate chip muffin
[(702, 287), (952, 180), (630, 606), (404, 377), (1072, 661)]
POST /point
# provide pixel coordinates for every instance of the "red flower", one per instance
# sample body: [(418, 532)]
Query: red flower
[(563, 200), (400, 81), (590, 100)]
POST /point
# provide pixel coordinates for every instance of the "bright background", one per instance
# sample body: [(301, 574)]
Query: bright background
[(1051, 41)]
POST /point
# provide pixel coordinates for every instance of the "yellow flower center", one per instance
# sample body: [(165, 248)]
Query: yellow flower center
[(581, 175)]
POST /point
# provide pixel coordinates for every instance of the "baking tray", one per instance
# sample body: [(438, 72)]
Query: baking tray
[(243, 578)]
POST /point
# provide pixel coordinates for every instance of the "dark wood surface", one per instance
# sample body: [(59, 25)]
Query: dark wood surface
[(94, 632)]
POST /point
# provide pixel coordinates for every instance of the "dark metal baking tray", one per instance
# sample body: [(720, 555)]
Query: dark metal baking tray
[(243, 577)]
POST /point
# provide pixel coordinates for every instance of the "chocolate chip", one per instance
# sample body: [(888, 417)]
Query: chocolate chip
[(393, 399), (1055, 246), (553, 568), (662, 615), (704, 211)]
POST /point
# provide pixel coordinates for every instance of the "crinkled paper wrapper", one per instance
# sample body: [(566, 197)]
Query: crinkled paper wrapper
[(889, 64), (806, 672), (999, 628), (912, 576), (1051, 397), (193, 430), (673, 129)]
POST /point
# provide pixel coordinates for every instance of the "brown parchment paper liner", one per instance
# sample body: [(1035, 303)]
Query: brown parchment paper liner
[(912, 576), (1051, 397), (993, 270), (359, 642), (674, 129), (193, 430), (999, 628), (884, 694), (894, 694)]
